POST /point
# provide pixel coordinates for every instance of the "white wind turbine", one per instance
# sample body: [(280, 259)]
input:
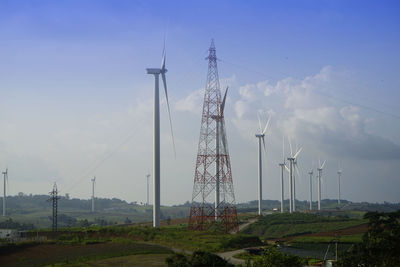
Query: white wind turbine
[(156, 141), (93, 182), (291, 170), (339, 178), (311, 174), (5, 177), (319, 182), (283, 166), (260, 137), (218, 119)]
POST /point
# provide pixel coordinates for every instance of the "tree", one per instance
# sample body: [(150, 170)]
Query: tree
[(197, 259), (272, 257), (381, 244)]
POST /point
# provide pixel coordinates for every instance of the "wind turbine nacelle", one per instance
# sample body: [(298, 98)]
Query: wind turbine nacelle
[(154, 71), (260, 135)]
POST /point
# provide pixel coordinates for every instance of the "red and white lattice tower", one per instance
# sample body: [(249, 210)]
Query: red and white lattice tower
[(213, 199)]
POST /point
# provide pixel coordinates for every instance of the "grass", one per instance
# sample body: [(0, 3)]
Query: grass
[(326, 239), (285, 225), (45, 254)]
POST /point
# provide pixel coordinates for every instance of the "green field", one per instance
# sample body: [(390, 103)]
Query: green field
[(284, 225)]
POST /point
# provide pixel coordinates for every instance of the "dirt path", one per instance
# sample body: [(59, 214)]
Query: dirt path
[(242, 226), (229, 256)]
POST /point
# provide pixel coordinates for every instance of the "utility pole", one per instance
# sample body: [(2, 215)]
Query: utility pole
[(5, 175), (54, 198)]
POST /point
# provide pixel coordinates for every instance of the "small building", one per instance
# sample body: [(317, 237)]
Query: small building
[(12, 234)]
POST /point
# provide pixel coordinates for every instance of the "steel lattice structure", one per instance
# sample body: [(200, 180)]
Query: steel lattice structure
[(213, 199)]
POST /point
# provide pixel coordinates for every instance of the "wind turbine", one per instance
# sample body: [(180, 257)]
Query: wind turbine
[(260, 137), (311, 174), (283, 166), (93, 182), (218, 119), (156, 141), (5, 175), (339, 178), (147, 199), (319, 182), (292, 160)]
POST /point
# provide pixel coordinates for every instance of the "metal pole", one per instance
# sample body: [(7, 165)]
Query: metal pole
[(156, 155)]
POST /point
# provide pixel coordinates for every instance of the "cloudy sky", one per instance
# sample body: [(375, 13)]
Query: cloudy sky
[(76, 101)]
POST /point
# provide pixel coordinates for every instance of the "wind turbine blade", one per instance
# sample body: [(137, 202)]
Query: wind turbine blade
[(297, 171), (323, 164), (263, 141), (224, 143), (223, 101), (297, 153), (319, 163), (290, 144), (266, 126), (287, 168), (163, 58), (169, 111), (259, 121)]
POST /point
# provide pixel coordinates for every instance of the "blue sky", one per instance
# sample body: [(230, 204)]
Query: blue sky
[(74, 88)]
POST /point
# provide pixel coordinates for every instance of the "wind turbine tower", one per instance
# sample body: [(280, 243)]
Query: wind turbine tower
[(283, 166), (156, 137), (260, 137), (213, 198), (339, 178), (292, 161), (5, 178), (148, 181), (319, 183), (93, 182), (311, 174)]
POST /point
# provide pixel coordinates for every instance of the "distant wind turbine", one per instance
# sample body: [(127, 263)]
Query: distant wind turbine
[(156, 142), (260, 137), (339, 178), (292, 160), (311, 174), (319, 182), (5, 175), (283, 166), (147, 180), (93, 182)]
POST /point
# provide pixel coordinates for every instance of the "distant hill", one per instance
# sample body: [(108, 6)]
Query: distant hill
[(34, 211)]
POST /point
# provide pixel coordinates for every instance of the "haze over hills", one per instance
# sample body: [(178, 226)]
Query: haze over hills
[(35, 210)]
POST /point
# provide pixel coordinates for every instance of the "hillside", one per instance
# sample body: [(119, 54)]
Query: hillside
[(34, 211)]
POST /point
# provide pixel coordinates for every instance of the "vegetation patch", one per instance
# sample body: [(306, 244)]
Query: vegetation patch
[(286, 225)]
